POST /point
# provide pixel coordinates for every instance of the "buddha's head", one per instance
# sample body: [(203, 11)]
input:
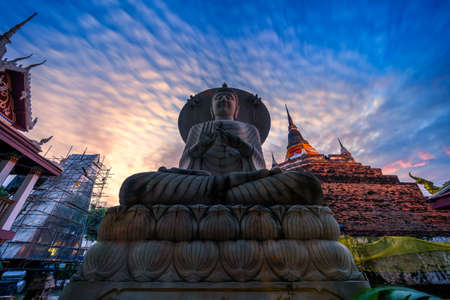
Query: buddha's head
[(225, 104)]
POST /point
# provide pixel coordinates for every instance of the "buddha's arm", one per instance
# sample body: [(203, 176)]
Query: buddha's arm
[(236, 142), (245, 148), (257, 155), (205, 141), (199, 149), (197, 144)]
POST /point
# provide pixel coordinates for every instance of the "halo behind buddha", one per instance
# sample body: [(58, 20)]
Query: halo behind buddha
[(251, 110)]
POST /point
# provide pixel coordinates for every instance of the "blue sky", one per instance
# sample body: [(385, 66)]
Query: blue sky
[(375, 74)]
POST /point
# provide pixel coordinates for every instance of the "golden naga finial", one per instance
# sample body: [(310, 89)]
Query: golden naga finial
[(428, 185)]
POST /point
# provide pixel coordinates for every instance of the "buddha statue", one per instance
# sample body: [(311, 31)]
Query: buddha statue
[(224, 144), (222, 162), (221, 223)]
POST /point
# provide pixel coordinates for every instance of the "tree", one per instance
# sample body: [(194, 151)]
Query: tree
[(93, 221)]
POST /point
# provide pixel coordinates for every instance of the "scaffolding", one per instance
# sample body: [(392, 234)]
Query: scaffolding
[(52, 224)]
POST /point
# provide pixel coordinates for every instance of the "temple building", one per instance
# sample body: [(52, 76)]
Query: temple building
[(19, 155), (45, 206), (441, 200), (378, 209), (440, 195)]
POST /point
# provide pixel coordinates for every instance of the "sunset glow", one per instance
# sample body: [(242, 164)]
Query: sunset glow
[(119, 72)]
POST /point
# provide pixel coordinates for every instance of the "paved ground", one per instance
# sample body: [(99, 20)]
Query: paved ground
[(54, 295)]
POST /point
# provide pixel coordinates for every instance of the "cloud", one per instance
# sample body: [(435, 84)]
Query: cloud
[(426, 156), (447, 151), (396, 165), (118, 75)]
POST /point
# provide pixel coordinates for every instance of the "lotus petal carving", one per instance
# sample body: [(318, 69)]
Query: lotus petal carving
[(148, 260), (279, 211), (259, 224), (219, 225), (330, 226), (158, 210), (218, 275), (287, 258), (239, 211), (140, 223), (242, 260), (177, 224), (133, 224), (194, 261), (199, 210), (108, 229), (300, 223), (103, 261), (266, 274), (331, 258)]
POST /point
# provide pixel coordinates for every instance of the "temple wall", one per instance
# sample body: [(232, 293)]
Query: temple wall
[(402, 196), (384, 209), (367, 203)]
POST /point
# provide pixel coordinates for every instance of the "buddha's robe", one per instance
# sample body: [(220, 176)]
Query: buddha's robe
[(221, 175), (221, 159)]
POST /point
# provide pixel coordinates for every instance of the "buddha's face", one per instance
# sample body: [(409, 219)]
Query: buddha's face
[(224, 106)]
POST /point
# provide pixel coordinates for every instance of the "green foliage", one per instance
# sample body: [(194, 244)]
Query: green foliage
[(93, 221), (3, 192), (393, 293)]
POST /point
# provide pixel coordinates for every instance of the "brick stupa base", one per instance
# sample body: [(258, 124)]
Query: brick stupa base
[(367, 203)]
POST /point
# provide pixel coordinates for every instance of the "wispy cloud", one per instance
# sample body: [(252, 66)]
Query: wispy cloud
[(426, 156), (393, 167), (447, 151), (119, 73)]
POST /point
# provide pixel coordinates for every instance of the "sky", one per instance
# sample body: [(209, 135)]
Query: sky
[(376, 74)]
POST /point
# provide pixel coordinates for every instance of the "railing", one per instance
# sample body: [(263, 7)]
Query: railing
[(4, 205)]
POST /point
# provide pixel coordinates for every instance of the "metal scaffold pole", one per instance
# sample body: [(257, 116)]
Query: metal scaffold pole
[(53, 223)]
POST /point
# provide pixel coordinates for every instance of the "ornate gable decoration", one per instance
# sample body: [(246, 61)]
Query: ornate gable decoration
[(15, 92), (6, 103)]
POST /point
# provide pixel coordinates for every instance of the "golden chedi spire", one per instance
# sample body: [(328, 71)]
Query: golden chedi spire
[(297, 145)]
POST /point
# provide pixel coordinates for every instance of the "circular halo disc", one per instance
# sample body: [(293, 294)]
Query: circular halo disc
[(198, 110)]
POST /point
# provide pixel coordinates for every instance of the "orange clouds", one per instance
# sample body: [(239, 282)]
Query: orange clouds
[(396, 165), (393, 167), (118, 90)]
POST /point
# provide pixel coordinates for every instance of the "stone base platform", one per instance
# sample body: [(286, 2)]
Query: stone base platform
[(317, 290)]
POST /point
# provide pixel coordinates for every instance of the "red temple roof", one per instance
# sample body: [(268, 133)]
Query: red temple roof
[(12, 140)]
